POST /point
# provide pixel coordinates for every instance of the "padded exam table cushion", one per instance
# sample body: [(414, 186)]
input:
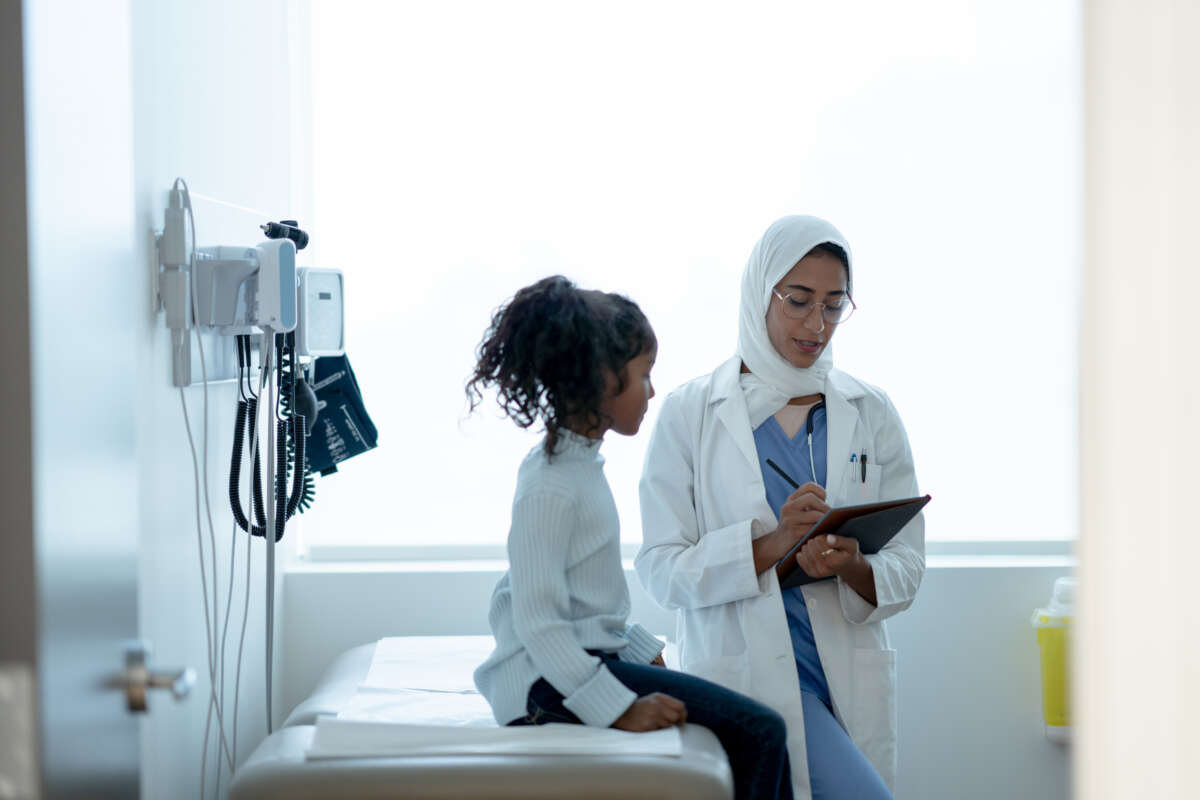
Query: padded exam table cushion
[(336, 687), (281, 768)]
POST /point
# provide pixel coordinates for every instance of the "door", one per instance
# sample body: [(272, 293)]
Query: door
[(81, 378)]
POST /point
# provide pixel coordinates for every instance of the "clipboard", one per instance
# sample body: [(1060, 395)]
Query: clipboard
[(872, 524)]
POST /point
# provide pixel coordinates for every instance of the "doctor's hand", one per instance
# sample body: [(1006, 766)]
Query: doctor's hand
[(799, 513), (828, 555), (803, 508), (652, 712)]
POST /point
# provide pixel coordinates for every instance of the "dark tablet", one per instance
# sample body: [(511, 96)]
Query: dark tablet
[(872, 524)]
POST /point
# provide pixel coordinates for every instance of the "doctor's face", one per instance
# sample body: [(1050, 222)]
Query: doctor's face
[(818, 278)]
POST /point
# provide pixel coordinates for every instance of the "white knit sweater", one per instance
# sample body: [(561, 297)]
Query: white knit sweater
[(564, 592)]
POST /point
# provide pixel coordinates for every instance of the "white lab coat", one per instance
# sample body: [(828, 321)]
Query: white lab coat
[(703, 502)]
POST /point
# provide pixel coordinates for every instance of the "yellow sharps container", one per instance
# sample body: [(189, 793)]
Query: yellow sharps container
[(1053, 624)]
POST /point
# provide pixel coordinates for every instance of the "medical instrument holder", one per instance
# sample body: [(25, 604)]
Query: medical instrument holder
[(240, 290)]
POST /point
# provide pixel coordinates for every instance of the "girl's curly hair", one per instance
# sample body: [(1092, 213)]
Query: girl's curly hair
[(549, 351)]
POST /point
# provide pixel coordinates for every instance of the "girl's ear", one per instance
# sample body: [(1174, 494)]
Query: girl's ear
[(617, 381)]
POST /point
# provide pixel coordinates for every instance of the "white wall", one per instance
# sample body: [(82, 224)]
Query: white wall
[(970, 713)]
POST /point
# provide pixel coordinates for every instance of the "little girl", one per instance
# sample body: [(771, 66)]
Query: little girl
[(579, 363)]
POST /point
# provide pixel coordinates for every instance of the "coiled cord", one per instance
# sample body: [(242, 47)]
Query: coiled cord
[(305, 490), (290, 449)]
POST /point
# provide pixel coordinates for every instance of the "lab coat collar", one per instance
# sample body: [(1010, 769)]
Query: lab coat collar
[(731, 407), (846, 386), (725, 379), (725, 382), (843, 416)]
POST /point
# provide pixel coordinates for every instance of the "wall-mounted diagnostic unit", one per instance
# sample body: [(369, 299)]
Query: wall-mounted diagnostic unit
[(293, 316)]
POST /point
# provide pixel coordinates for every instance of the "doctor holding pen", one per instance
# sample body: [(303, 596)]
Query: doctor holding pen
[(716, 518)]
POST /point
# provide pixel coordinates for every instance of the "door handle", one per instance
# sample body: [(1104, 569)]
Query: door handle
[(138, 677)]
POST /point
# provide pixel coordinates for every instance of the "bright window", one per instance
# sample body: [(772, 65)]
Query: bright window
[(463, 150)]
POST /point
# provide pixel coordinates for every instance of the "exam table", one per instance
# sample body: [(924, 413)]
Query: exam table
[(384, 719)]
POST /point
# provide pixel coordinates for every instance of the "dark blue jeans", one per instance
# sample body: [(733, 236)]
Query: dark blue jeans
[(753, 735)]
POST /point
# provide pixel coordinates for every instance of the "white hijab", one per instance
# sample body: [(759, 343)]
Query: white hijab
[(772, 381)]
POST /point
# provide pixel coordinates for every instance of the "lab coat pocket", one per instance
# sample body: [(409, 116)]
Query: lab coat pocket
[(865, 491), (873, 723), (728, 671)]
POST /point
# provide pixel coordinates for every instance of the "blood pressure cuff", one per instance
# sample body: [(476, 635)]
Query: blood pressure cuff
[(343, 428)]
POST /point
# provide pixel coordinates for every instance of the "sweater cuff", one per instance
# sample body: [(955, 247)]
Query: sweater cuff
[(601, 700), (643, 646)]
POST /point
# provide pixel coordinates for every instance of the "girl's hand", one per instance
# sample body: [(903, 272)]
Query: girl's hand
[(652, 712), (827, 555), (658, 661), (801, 511)]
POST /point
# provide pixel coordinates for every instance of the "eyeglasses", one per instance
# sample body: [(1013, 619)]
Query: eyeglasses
[(798, 305)]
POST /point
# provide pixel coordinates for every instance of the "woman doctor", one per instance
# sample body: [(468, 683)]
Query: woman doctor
[(716, 519)]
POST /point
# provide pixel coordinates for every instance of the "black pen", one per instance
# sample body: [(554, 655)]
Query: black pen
[(785, 476), (864, 466)]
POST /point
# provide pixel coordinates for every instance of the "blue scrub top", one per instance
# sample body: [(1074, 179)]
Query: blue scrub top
[(792, 455)]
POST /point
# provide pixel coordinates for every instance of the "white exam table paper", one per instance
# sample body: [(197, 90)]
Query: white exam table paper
[(430, 663), (466, 709)]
